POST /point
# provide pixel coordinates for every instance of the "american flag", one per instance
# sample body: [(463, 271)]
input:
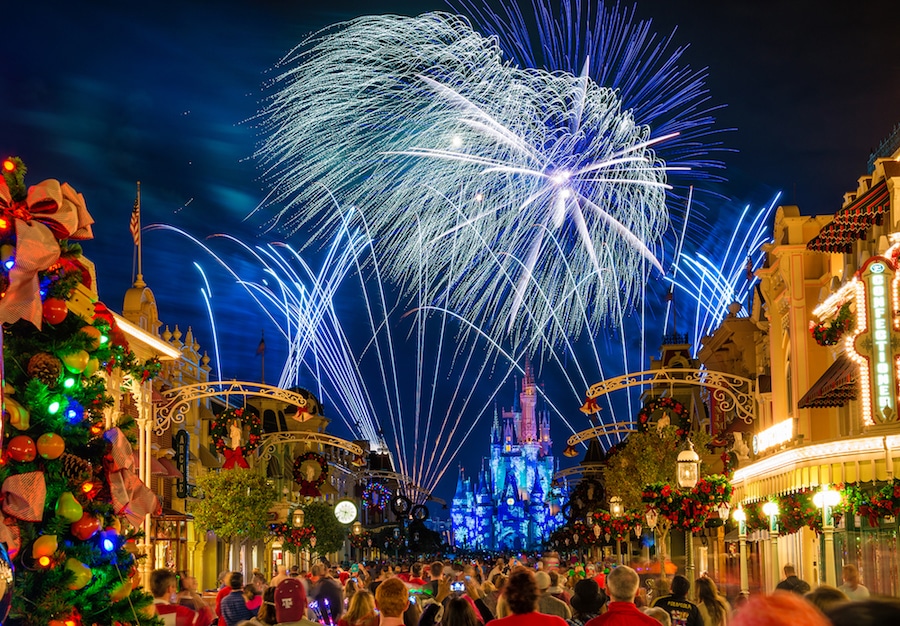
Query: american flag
[(136, 222)]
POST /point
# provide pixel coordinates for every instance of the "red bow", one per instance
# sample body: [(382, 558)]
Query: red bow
[(234, 458), (24, 496), (130, 496), (50, 212)]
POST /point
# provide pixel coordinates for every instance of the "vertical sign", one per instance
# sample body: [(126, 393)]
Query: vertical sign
[(180, 441), (876, 342)]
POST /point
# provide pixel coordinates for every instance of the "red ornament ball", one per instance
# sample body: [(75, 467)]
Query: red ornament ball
[(86, 527), (21, 448), (55, 310)]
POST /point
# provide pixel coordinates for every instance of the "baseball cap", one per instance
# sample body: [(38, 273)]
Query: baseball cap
[(290, 601), (543, 580)]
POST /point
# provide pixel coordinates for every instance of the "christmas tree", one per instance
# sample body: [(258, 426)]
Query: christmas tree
[(71, 499)]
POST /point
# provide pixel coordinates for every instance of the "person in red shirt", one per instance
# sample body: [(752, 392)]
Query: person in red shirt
[(521, 594), (162, 586), (622, 585), (224, 590), (415, 578)]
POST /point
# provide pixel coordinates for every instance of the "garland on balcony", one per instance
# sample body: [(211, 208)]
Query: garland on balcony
[(873, 505), (828, 334), (689, 509), (682, 419), (796, 510)]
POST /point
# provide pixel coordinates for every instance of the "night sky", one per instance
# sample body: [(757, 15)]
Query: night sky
[(102, 94)]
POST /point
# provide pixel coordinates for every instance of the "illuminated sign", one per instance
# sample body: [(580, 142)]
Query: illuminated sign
[(875, 345), (780, 433)]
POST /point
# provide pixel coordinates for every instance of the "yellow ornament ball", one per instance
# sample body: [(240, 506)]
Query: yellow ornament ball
[(51, 446)]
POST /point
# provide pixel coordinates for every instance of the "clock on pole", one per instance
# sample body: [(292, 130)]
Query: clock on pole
[(345, 511)]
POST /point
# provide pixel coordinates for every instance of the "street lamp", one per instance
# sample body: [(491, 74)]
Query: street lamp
[(688, 473), (297, 518), (771, 510), (356, 529), (740, 516), (827, 499), (616, 510)]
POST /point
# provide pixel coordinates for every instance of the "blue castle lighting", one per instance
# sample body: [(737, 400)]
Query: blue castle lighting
[(512, 505)]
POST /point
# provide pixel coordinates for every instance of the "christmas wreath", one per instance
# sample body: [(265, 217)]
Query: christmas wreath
[(375, 496), (362, 540), (829, 334), (682, 419), (305, 475), (219, 430)]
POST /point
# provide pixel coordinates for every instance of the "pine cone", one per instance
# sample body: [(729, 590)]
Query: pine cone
[(76, 469), (46, 368)]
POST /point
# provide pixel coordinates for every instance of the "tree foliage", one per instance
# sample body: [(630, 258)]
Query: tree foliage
[(235, 504), (646, 458), (330, 534)]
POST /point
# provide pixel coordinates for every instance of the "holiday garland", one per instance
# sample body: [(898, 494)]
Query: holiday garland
[(218, 430), (829, 334), (310, 487), (873, 505), (682, 420), (362, 540), (796, 510), (293, 538), (689, 509)]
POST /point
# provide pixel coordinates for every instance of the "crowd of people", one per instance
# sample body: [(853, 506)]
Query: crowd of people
[(507, 593)]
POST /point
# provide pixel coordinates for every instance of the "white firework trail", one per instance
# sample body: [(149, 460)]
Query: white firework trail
[(419, 397), (377, 109)]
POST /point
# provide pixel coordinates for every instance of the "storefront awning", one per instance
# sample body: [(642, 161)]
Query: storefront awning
[(171, 469), (836, 387), (853, 221), (156, 468)]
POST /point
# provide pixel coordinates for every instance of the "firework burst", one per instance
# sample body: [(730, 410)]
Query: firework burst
[(523, 193)]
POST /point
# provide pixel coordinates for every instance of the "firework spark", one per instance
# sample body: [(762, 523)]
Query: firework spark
[(510, 185)]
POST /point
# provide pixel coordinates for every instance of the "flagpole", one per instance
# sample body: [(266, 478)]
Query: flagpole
[(136, 234)]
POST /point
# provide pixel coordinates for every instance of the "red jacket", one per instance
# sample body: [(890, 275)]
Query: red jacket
[(622, 614)]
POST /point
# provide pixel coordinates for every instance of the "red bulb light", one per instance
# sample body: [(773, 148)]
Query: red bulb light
[(9, 165)]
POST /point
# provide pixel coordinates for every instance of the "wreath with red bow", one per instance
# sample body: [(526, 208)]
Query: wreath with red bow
[(218, 431), (681, 421), (310, 487)]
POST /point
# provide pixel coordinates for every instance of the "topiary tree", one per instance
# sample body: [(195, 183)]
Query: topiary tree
[(330, 534), (234, 504)]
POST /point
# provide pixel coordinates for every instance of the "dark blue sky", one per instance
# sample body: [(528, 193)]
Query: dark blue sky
[(101, 94)]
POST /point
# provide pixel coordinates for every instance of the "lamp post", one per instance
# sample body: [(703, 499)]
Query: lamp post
[(652, 517), (740, 516), (826, 499), (616, 510), (771, 509), (688, 473)]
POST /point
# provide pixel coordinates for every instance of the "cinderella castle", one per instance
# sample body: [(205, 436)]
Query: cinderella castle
[(510, 506)]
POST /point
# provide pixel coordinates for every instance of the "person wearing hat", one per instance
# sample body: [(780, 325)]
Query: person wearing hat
[(588, 601), (290, 604), (547, 604)]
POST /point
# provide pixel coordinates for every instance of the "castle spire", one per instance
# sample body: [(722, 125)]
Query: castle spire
[(495, 428)]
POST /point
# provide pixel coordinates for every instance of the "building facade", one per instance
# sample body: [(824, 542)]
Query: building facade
[(511, 504), (828, 314)]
